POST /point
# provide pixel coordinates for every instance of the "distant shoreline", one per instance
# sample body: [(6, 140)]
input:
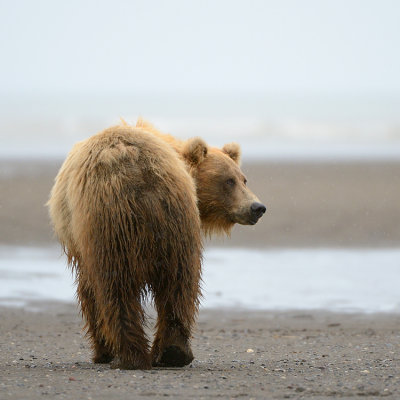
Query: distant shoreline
[(254, 151)]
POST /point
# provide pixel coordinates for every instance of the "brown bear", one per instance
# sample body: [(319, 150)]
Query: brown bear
[(129, 205)]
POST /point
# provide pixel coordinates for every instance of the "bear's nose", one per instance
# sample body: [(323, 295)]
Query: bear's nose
[(258, 209)]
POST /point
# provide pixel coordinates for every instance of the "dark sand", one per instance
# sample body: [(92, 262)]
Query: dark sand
[(249, 355), (318, 355)]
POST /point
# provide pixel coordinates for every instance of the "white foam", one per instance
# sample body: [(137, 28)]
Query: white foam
[(259, 137), (326, 279)]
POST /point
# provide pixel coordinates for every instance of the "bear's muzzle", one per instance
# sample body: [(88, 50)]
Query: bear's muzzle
[(257, 211)]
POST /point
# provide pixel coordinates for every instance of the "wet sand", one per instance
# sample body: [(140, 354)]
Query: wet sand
[(310, 204), (249, 355)]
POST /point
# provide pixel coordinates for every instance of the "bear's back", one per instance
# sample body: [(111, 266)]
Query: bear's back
[(122, 186)]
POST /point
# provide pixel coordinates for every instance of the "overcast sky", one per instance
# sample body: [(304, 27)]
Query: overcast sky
[(339, 46)]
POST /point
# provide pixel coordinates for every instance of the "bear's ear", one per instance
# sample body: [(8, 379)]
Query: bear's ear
[(194, 151), (233, 151)]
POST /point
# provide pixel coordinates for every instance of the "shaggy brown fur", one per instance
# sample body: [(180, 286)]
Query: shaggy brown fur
[(125, 208)]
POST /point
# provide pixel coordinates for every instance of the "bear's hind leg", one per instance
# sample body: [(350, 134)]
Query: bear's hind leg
[(171, 347), (130, 341), (102, 353), (122, 324)]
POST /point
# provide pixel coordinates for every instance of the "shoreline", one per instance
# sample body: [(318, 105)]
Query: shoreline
[(342, 280)]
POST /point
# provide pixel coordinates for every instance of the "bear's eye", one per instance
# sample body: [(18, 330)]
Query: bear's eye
[(245, 181), (230, 182)]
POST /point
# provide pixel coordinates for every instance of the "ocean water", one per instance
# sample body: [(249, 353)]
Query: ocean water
[(272, 127), (352, 280)]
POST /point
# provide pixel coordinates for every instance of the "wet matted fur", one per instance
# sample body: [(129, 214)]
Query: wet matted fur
[(128, 206)]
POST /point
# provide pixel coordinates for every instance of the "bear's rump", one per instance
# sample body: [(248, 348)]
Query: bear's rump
[(134, 211)]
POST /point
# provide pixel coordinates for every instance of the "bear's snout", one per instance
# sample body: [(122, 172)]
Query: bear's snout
[(257, 211)]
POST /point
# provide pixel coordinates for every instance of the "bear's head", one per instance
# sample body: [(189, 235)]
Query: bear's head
[(222, 194)]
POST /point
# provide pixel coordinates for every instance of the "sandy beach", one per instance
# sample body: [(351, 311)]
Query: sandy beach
[(249, 355), (238, 353)]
